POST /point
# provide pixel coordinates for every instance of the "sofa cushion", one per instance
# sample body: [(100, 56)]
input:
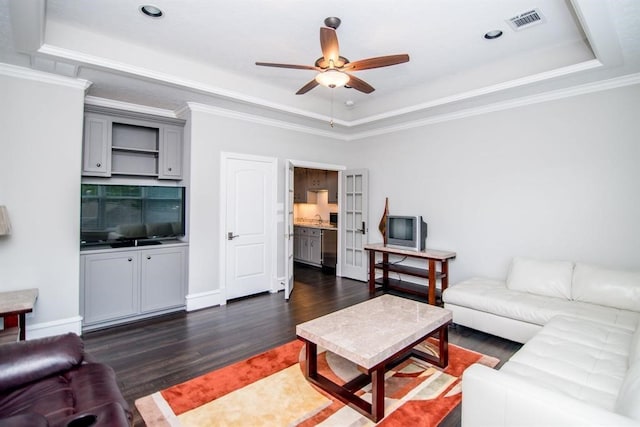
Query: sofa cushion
[(613, 288), (584, 359), (27, 361), (549, 278), (628, 402), (492, 296)]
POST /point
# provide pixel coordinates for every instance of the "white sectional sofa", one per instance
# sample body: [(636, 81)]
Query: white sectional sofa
[(580, 365)]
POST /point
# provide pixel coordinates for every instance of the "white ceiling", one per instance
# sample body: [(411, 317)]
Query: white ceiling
[(205, 51)]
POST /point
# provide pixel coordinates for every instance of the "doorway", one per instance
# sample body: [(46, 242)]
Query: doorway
[(312, 196), (348, 210)]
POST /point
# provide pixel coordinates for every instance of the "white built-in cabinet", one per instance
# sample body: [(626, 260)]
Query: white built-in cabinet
[(126, 284), (131, 145), (307, 244)]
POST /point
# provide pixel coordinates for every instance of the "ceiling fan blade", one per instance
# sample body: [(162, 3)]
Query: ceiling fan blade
[(380, 61), (329, 45), (297, 67), (306, 88), (359, 84)]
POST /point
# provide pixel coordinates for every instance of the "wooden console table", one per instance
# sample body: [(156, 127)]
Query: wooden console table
[(431, 273)]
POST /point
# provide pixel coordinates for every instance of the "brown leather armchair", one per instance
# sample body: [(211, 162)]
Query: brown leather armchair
[(53, 382)]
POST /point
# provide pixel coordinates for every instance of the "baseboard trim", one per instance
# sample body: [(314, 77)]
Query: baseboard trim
[(203, 300), (55, 327)]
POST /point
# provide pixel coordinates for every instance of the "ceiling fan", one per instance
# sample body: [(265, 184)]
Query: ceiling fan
[(333, 69)]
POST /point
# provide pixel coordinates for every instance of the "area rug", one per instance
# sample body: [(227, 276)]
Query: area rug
[(270, 390)]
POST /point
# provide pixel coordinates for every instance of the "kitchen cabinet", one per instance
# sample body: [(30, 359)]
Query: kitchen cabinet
[(115, 144), (332, 186), (316, 179), (315, 248), (308, 181), (300, 185), (121, 285), (307, 245)]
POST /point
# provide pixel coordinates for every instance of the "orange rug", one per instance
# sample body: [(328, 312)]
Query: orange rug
[(270, 390)]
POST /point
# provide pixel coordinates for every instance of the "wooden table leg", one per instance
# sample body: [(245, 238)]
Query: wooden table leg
[(444, 345), (444, 282), (311, 353), (432, 282), (22, 325), (372, 271), (385, 271), (377, 394)]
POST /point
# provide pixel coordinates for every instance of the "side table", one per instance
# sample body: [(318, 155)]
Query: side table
[(432, 257), (18, 303)]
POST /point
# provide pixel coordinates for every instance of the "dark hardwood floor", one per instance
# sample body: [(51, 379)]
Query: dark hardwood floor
[(154, 354)]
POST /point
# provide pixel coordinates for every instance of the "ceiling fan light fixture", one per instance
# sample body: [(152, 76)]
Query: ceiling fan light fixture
[(332, 78)]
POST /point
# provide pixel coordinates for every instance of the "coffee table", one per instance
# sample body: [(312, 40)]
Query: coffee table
[(376, 335)]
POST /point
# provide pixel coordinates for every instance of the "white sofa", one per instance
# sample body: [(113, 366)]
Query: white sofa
[(581, 361)]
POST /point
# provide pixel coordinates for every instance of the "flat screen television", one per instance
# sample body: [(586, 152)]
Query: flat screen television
[(406, 232), (130, 215)]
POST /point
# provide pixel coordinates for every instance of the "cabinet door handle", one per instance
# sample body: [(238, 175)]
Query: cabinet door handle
[(169, 169), (130, 259), (148, 256), (98, 165)]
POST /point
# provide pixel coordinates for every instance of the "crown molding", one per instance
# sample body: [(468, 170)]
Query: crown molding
[(41, 76), (559, 72), (182, 112), (172, 81), (221, 112), (628, 80), (126, 106)]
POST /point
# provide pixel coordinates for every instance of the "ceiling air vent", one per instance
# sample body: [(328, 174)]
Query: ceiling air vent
[(526, 20)]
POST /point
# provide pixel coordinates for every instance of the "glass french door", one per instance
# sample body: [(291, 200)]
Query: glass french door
[(354, 220)]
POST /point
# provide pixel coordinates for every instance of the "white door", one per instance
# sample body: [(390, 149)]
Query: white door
[(250, 225), (288, 226), (354, 219)]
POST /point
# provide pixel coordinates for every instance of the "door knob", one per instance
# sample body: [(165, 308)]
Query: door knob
[(362, 230), (231, 236)]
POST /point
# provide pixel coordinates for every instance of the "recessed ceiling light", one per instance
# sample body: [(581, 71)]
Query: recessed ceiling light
[(152, 11), (493, 34)]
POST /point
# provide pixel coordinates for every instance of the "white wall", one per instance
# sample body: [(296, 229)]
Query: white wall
[(40, 152), (558, 180), (210, 136)]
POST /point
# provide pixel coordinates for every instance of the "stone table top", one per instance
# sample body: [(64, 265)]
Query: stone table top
[(372, 331)]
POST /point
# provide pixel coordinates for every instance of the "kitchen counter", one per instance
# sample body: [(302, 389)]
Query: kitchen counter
[(323, 226)]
